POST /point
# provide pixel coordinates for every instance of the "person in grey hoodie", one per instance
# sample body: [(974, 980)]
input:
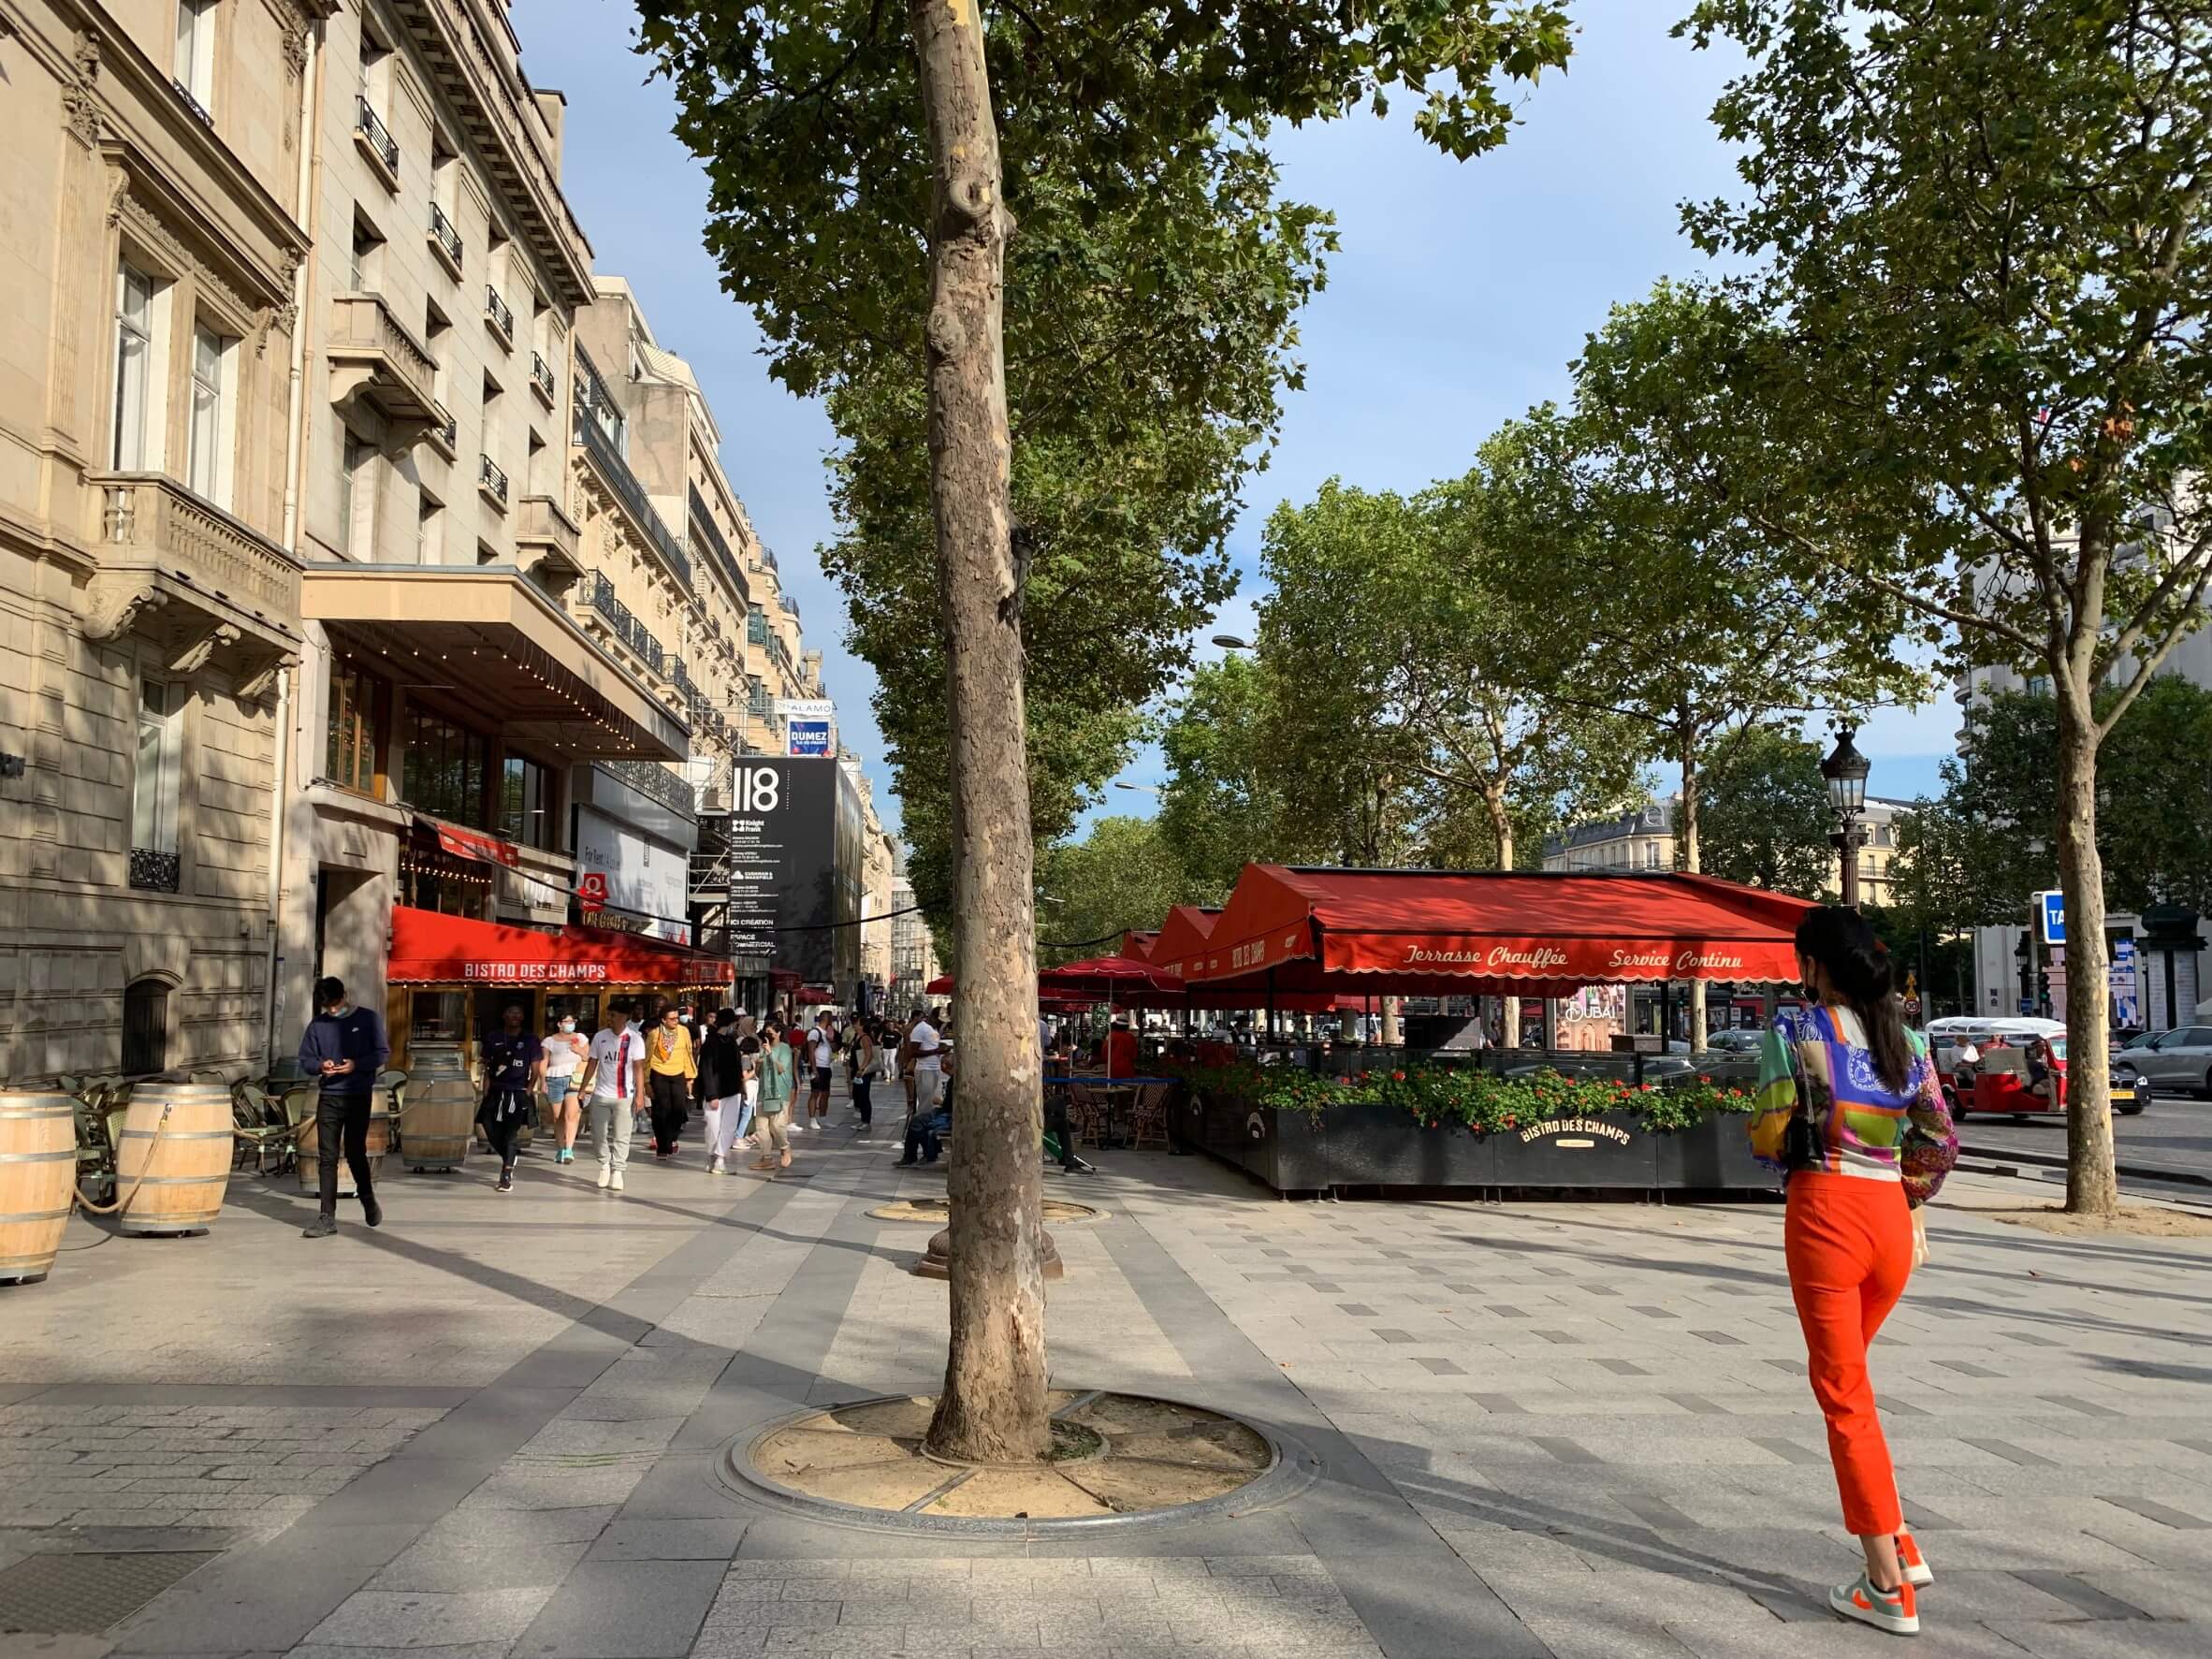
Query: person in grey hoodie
[(343, 1049)]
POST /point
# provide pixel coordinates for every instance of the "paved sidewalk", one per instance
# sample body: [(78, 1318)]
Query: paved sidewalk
[(491, 1429)]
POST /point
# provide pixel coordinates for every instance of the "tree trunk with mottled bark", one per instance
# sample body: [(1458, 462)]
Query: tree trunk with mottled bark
[(993, 1408), (2092, 1185)]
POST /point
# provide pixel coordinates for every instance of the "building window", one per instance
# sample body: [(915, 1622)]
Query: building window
[(442, 772), (208, 461), (145, 1028), (356, 496), (756, 627), (156, 771), (526, 803), (134, 368), (1651, 855), (195, 66), (350, 762)]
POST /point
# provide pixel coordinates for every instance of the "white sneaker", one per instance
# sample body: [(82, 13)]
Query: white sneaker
[(714, 1167), (1896, 1612), (617, 1182), (606, 1174)]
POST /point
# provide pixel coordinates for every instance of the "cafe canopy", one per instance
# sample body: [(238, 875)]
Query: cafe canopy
[(430, 948), (1183, 935), (1489, 932)]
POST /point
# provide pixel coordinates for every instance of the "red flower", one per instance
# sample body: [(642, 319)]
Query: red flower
[(1703, 1078), (1397, 1077), (1644, 1089), (1508, 1121)]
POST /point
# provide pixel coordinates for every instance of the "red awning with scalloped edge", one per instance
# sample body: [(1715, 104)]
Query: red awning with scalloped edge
[(430, 949), (1492, 932)]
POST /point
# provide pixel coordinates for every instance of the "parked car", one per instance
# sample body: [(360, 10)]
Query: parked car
[(1733, 1042), (2176, 1062)]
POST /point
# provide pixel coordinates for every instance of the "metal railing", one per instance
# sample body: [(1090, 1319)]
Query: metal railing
[(204, 115), (761, 703), (491, 477), (656, 784), (154, 871), (625, 485), (599, 593), (449, 435), (711, 537), (495, 309), (371, 126), (679, 677), (541, 374), (444, 233)]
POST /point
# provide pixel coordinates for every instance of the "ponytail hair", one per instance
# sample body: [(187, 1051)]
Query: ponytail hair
[(1859, 966)]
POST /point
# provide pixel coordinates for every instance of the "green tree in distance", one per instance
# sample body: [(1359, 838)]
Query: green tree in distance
[(1226, 803), (864, 183), (1767, 814), (1122, 875), (1982, 227)]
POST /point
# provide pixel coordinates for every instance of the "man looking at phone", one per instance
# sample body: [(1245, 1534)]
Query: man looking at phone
[(343, 1049)]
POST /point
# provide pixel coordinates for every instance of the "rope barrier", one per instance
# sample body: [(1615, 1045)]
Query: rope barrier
[(146, 1169)]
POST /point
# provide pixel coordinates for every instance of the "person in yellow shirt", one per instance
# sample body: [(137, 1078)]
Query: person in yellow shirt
[(670, 1067)]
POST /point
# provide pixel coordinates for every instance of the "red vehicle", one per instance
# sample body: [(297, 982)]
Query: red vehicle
[(2001, 1085)]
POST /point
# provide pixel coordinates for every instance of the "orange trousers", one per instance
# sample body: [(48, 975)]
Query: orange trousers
[(1848, 1240)]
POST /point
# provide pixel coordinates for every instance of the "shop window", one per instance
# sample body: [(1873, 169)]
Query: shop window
[(145, 1028), (443, 770), (135, 358), (526, 803), (352, 760)]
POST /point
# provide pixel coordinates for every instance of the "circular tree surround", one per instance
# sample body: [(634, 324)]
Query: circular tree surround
[(1117, 1460)]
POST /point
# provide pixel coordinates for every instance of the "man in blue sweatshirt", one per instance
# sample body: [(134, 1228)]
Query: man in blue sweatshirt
[(343, 1049)]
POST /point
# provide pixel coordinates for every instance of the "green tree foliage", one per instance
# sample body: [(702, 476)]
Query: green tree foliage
[(1152, 286), (1767, 814), (1422, 693), (1121, 875), (1226, 803), (2154, 801), (1982, 226)]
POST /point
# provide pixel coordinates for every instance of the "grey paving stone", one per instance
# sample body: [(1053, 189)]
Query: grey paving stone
[(665, 1539), (422, 1619), (479, 1564), (624, 1609), (2163, 1514)]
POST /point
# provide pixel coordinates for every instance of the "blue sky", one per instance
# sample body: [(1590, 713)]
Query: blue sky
[(1462, 291)]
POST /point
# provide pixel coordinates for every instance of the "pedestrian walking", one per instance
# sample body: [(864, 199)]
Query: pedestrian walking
[(670, 1068), (903, 1053), (514, 1061), (748, 1052), (929, 1072), (566, 1049), (822, 1046), (614, 1082), (866, 1055), (343, 1048), (720, 1089), (778, 1082), (1850, 1106)]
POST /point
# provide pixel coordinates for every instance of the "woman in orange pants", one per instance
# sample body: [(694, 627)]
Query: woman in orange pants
[(1852, 1109)]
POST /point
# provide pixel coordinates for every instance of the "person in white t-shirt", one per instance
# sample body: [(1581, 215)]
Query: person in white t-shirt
[(821, 1060), (614, 1076), (929, 1070), (566, 1049)]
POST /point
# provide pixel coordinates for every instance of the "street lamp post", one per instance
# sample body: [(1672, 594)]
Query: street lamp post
[(1846, 770)]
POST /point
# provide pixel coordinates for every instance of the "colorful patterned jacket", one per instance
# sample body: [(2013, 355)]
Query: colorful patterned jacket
[(1813, 1064)]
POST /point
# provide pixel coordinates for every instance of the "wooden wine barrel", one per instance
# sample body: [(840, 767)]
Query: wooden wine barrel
[(436, 1130), (37, 1170), (380, 1142), (173, 1160)]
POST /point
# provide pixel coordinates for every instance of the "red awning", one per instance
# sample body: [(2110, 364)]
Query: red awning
[(430, 949), (1181, 942), (940, 987), (1490, 932), (469, 843), (1139, 945)]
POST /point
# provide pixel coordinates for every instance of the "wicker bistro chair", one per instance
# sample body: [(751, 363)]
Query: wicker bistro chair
[(1148, 1121), (261, 1129)]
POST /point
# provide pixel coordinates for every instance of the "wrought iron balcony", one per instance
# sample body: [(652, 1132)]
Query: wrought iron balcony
[(599, 593), (710, 536), (377, 140), (541, 378), (154, 871), (679, 677), (190, 99), (446, 436), (497, 313), (656, 784), (491, 480), (608, 462), (445, 236)]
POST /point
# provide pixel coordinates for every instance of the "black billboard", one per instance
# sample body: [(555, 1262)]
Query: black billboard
[(796, 843)]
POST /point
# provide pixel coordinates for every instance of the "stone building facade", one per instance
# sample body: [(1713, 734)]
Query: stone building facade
[(154, 238)]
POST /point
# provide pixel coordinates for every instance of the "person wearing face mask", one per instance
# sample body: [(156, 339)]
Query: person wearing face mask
[(566, 1049)]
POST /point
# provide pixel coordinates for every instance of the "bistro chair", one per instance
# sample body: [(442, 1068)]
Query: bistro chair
[(257, 1133)]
